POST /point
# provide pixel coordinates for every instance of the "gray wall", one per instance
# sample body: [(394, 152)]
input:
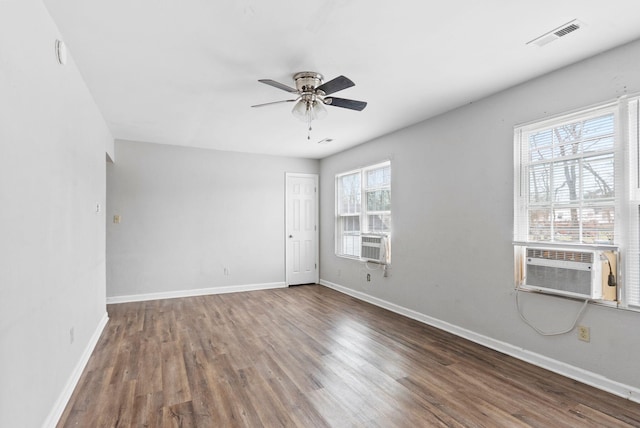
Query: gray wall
[(452, 199), (187, 214), (52, 241)]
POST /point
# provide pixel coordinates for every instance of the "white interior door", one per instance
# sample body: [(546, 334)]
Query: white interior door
[(302, 229)]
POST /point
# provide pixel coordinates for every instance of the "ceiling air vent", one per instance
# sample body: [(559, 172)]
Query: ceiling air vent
[(556, 33)]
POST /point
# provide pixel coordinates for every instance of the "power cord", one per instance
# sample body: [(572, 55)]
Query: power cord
[(611, 280), (383, 266), (378, 265), (544, 333)]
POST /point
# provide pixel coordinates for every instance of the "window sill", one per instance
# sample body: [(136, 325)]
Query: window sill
[(601, 247), (597, 302), (358, 259)]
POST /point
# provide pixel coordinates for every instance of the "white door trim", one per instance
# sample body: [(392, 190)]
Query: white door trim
[(286, 224)]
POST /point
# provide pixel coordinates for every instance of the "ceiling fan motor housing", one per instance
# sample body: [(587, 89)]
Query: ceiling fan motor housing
[(307, 81)]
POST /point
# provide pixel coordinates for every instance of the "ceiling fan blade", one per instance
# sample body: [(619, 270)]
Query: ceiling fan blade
[(278, 85), (335, 85), (345, 103), (274, 102)]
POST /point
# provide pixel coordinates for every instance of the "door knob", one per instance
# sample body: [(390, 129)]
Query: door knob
[(290, 236)]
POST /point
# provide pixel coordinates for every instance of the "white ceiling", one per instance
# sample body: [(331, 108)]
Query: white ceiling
[(185, 72)]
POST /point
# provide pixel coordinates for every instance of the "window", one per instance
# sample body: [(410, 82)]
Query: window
[(573, 189), (567, 172), (363, 206)]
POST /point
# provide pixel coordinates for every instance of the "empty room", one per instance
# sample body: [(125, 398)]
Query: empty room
[(329, 214)]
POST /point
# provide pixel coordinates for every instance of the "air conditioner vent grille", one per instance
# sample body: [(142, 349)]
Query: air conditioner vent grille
[(556, 33), (562, 255), (566, 30), (372, 248)]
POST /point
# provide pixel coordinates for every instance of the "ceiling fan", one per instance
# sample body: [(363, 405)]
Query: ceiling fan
[(313, 95)]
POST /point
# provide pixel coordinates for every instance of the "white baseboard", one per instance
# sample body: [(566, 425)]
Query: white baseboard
[(65, 395), (593, 379), (196, 292)]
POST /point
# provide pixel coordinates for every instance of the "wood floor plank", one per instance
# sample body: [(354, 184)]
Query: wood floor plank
[(179, 415), (205, 403), (175, 384), (596, 418), (309, 356), (271, 411), (149, 366), (216, 398), (147, 410)]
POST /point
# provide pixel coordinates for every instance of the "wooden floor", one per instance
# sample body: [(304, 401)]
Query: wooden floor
[(309, 356)]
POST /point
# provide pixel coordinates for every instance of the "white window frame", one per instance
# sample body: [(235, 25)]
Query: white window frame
[(626, 239), (362, 214), (630, 295)]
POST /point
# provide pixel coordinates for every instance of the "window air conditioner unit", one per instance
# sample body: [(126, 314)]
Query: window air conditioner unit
[(566, 272), (372, 248)]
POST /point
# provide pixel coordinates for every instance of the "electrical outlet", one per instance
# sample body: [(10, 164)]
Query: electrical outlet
[(227, 272), (584, 333), (71, 336)]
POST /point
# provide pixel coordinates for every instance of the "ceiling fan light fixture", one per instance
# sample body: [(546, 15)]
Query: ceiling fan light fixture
[(300, 110), (307, 110), (318, 110)]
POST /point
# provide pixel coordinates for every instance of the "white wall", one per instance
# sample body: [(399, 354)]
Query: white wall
[(52, 242), (187, 214), (452, 199)]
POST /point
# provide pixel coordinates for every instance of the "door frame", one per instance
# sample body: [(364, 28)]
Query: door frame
[(286, 223)]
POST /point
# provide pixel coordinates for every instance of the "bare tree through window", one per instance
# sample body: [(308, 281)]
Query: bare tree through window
[(571, 182)]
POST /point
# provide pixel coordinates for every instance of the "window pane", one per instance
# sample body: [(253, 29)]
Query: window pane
[(566, 224), (349, 194), (379, 223), (598, 144), (379, 177), (350, 224), (540, 145), (566, 180), (349, 235), (351, 245), (379, 200), (599, 127), (597, 224), (569, 133), (598, 177), (540, 225), (586, 225), (539, 183)]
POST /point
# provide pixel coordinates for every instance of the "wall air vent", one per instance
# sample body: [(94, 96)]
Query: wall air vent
[(556, 33), (566, 30)]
